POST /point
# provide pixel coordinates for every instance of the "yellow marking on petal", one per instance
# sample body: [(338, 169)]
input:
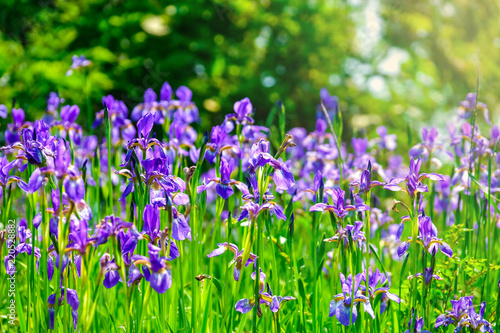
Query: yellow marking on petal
[(141, 262), (152, 144), (360, 300)]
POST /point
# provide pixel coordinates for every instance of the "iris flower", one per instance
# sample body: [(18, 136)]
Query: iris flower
[(5, 178), (237, 257), (463, 315), (427, 276), (265, 297), (366, 183), (260, 157), (155, 268), (339, 208), (243, 110), (252, 210), (419, 325), (378, 283), (346, 302), (470, 103), (224, 185), (71, 298), (427, 238), (78, 62), (350, 231), (413, 180)]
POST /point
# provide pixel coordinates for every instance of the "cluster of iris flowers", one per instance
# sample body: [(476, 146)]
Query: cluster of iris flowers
[(156, 204)]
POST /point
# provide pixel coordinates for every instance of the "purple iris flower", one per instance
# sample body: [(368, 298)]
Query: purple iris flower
[(165, 94), (463, 315), (346, 302), (379, 219), (151, 217), (23, 234), (243, 110), (237, 257), (36, 144), (265, 297), (74, 185), (360, 145), (110, 227), (318, 182), (109, 269), (184, 110), (330, 102), (121, 127), (252, 133), (320, 138), (386, 141), (413, 180), (67, 124), (128, 242), (151, 105), (252, 210), (366, 183), (298, 134), (155, 268), (55, 258), (13, 130), (475, 321), (71, 298), (427, 276), (469, 104), (180, 226), (429, 144), (339, 208), (379, 283), (144, 127), (254, 195), (427, 238), (220, 142), (277, 302), (459, 309), (246, 305), (217, 138), (260, 157), (419, 325), (224, 185), (350, 231), (53, 102), (79, 238), (446, 198), (157, 178), (77, 63), (5, 178), (61, 160), (34, 183), (494, 135), (3, 111)]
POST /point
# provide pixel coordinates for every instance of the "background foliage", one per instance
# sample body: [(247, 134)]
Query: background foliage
[(381, 57)]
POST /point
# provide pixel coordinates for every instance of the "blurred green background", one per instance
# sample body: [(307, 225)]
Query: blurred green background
[(387, 60)]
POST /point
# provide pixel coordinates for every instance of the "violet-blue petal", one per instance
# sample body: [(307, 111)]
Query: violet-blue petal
[(111, 279), (180, 228), (161, 281), (224, 191), (243, 305), (446, 249), (3, 111), (403, 247), (343, 314), (222, 247), (35, 181)]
